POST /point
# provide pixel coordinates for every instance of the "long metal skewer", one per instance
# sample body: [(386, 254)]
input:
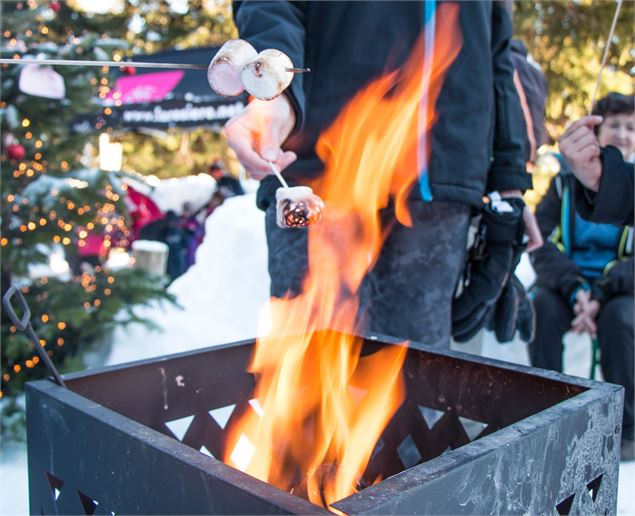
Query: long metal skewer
[(607, 45), (134, 64)]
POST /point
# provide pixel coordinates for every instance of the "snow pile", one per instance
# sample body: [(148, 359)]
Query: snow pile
[(221, 294), (170, 194)]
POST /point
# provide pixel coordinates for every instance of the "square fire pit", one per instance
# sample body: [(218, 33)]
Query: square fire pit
[(474, 436)]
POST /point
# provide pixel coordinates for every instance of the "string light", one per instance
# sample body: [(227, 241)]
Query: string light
[(26, 122), (45, 318), (61, 325)]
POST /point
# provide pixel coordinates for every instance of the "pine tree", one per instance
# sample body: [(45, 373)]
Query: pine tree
[(49, 198)]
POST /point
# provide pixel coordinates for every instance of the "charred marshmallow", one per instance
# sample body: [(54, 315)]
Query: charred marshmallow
[(297, 207)]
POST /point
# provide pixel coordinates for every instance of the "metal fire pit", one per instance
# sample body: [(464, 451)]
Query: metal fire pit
[(474, 436)]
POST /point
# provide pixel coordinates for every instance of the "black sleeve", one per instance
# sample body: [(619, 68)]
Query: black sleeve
[(613, 203), (507, 171), (278, 25), (554, 269), (618, 280)]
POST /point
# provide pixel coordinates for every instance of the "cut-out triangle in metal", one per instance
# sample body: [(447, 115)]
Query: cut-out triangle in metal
[(56, 485), (431, 416), (564, 507), (408, 452), (206, 451), (88, 503), (255, 404), (221, 415), (594, 486), (179, 426), (472, 427)]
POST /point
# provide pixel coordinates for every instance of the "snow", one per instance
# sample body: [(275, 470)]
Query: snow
[(150, 246), (222, 296), (170, 194)]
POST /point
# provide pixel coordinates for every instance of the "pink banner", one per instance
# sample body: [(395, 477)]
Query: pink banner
[(147, 87)]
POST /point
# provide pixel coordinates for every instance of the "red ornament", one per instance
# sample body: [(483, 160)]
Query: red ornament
[(15, 151), (128, 70), (56, 6)]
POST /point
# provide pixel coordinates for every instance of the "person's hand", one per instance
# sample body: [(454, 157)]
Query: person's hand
[(581, 149), (586, 310), (531, 225), (257, 133)]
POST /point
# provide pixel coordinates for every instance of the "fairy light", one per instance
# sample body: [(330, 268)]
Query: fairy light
[(29, 364), (60, 342), (28, 135), (107, 291), (10, 197), (35, 359), (44, 30), (17, 368), (22, 228), (6, 377), (42, 342), (90, 226), (31, 225), (110, 279), (26, 122), (66, 241), (29, 172), (38, 156), (61, 325), (45, 318), (43, 222), (97, 302), (38, 144), (86, 305), (4, 241)]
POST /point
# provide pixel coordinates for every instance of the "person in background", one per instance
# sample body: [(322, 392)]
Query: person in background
[(409, 292), (173, 236), (605, 185), (585, 271), (227, 185), (193, 233)]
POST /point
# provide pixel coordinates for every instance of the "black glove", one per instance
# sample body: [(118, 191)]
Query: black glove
[(513, 311), (491, 261)]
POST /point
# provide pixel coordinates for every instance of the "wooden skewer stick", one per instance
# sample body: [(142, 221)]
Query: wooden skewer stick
[(134, 64), (276, 171), (607, 45)]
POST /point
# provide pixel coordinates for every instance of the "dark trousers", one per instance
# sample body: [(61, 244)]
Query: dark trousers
[(615, 336), (408, 293)]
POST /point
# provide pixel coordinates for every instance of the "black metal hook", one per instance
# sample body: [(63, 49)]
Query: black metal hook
[(24, 324)]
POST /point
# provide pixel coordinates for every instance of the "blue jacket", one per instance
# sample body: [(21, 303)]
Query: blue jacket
[(555, 263)]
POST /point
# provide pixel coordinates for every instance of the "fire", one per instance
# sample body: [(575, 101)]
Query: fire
[(321, 406)]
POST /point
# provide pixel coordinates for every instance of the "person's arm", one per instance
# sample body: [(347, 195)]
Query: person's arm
[(613, 201), (278, 25), (257, 133), (554, 269), (617, 279), (507, 171)]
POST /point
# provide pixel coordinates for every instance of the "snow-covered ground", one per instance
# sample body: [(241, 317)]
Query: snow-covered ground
[(221, 298)]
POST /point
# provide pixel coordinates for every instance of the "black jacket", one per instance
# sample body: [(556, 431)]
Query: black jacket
[(478, 139), (613, 203), (554, 267)]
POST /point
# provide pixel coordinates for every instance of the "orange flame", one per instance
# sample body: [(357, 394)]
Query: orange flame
[(323, 407)]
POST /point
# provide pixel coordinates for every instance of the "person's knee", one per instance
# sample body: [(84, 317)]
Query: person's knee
[(547, 304)]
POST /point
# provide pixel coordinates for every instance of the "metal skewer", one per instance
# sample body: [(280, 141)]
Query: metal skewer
[(607, 45), (134, 64)]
